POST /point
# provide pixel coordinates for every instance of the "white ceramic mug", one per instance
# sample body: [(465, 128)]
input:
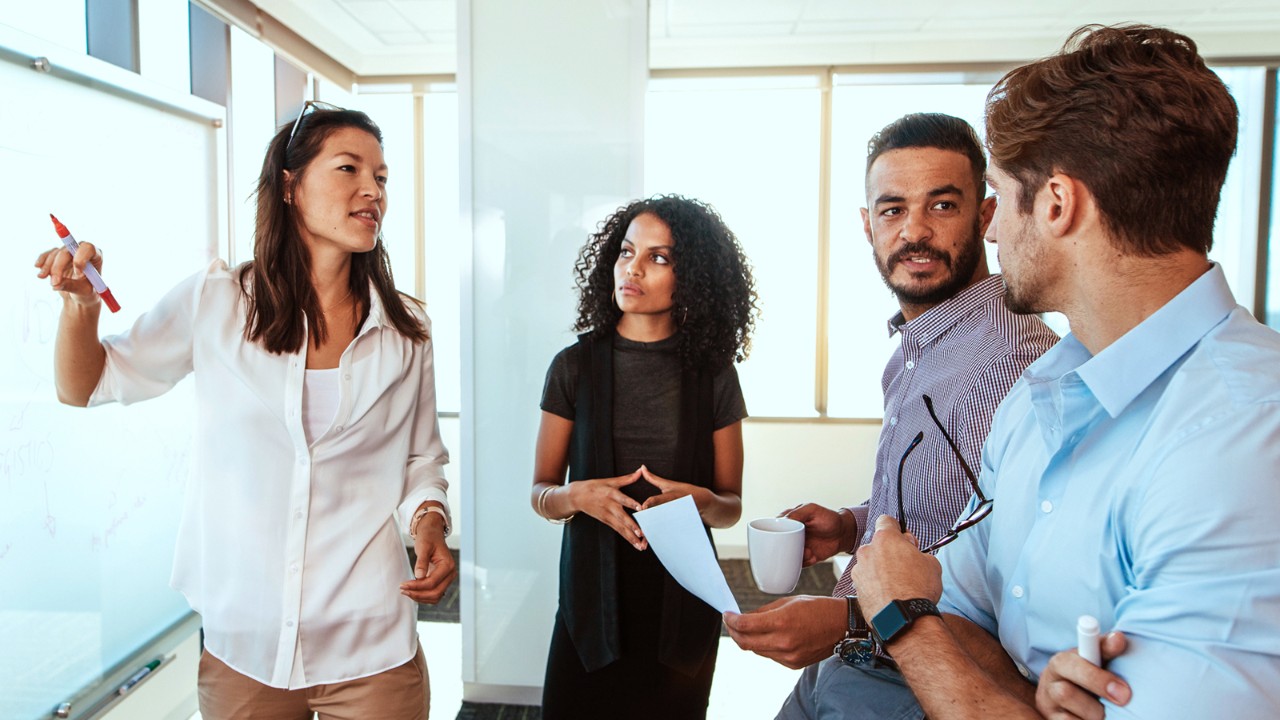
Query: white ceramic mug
[(776, 548)]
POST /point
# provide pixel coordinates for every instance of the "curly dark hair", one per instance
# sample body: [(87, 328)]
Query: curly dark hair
[(715, 298)]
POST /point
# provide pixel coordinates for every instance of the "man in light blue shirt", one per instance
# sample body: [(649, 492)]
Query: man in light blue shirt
[(1134, 470)]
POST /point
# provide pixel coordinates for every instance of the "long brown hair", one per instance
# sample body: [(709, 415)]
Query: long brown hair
[(277, 282)]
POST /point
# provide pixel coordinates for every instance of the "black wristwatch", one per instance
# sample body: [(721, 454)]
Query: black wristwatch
[(857, 646), (890, 623)]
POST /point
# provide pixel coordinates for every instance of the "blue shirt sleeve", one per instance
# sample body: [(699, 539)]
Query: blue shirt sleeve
[(965, 588), (1202, 607)]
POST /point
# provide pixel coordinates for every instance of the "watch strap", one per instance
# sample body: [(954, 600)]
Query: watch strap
[(898, 616), (857, 623), (858, 645)]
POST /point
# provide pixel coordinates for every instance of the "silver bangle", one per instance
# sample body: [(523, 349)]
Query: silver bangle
[(542, 507)]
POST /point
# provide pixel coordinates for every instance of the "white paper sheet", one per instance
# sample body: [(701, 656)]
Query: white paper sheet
[(675, 533)]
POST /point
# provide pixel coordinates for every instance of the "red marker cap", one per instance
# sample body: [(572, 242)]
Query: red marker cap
[(59, 227), (110, 300)]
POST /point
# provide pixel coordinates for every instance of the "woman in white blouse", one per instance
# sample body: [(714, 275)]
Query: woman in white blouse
[(316, 431)]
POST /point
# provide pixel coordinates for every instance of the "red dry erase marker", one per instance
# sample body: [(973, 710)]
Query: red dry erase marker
[(90, 271)]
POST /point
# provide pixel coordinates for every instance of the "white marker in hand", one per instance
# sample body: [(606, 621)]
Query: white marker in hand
[(1088, 640)]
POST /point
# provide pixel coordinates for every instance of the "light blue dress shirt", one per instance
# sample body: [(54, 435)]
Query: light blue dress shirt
[(1141, 486)]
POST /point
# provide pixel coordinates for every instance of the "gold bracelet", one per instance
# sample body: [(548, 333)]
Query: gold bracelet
[(542, 507)]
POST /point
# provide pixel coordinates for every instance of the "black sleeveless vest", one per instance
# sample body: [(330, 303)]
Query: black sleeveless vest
[(588, 553)]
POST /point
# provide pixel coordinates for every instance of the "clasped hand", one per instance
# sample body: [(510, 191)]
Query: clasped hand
[(604, 500)]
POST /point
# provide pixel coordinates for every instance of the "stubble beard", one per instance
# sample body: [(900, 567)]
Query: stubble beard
[(1024, 287)]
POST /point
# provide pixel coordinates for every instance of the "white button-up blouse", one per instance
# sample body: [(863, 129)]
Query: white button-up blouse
[(282, 546)]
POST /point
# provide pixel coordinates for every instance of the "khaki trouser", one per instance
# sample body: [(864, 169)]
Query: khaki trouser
[(402, 693)]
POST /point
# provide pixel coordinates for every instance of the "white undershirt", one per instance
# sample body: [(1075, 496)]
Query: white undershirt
[(319, 402), (319, 408)]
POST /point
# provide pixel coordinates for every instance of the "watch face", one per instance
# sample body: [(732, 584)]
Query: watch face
[(856, 651), (888, 622)]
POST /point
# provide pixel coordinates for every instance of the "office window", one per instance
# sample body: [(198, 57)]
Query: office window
[(250, 126), (443, 251), (751, 148), (112, 31), (440, 259), (860, 304), (1235, 231), (293, 87), (210, 48), (749, 145)]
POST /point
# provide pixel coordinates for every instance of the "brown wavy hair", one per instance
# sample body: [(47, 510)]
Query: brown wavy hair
[(1134, 113), (714, 304), (277, 282)]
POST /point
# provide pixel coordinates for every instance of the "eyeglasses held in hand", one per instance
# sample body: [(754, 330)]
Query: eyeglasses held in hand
[(980, 511), (308, 106)]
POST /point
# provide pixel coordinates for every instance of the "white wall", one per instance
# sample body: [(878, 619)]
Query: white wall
[(787, 463), (792, 462)]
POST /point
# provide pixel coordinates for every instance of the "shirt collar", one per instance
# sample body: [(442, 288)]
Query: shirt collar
[(932, 323), (377, 313), (1126, 367)]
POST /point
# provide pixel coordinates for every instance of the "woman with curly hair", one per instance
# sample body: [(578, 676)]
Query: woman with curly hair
[(643, 409)]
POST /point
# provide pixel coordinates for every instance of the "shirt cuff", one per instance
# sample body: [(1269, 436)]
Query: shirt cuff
[(415, 500), (859, 516)]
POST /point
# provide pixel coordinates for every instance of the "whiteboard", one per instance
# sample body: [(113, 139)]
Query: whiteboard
[(90, 499)]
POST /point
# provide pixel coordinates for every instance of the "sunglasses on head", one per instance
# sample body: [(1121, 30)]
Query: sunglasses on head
[(310, 106)]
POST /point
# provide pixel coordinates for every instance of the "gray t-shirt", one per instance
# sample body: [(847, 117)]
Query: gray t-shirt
[(646, 401)]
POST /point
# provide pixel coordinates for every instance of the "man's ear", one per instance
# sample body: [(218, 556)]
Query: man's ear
[(986, 211), (866, 225), (1063, 198)]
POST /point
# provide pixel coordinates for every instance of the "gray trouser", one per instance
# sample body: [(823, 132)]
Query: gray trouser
[(833, 689)]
